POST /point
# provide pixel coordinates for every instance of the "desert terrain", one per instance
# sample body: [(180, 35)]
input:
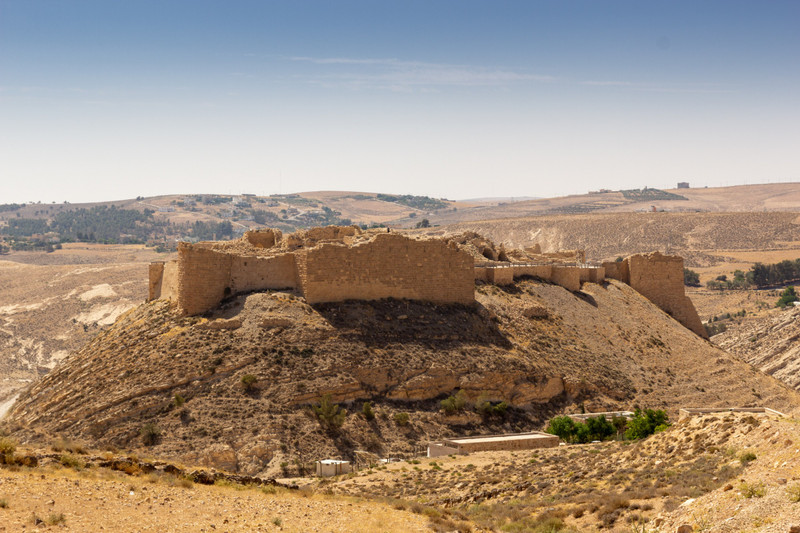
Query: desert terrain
[(52, 304), (83, 358)]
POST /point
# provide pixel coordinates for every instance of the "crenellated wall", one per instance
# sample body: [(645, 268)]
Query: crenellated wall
[(386, 266), (340, 263), (389, 265), (659, 278)]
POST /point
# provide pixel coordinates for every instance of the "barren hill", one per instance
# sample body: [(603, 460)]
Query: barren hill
[(699, 237), (605, 347), (740, 198)]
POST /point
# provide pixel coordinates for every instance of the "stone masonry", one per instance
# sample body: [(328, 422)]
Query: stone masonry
[(383, 266), (342, 263), (659, 278)]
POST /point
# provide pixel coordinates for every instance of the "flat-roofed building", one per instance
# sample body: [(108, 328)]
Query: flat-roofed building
[(486, 443)]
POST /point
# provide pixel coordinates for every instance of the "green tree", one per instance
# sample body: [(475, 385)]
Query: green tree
[(367, 412), (599, 428), (454, 403), (644, 423), (328, 413), (787, 296), (424, 223), (561, 426), (691, 278)]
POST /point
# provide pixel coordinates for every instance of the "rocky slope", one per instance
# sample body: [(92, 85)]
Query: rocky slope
[(770, 343), (52, 304), (534, 345)]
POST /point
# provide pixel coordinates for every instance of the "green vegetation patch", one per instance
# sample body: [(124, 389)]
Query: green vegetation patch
[(417, 202), (646, 194)]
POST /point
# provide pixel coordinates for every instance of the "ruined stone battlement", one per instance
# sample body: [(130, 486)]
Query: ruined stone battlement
[(659, 278), (338, 263), (324, 265)]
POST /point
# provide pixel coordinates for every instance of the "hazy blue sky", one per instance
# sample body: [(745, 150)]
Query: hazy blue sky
[(103, 99)]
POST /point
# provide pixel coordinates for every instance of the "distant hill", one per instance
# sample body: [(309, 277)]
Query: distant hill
[(740, 198), (163, 220), (701, 238)]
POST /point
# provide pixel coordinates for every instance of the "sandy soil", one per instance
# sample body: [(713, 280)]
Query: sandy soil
[(104, 501)]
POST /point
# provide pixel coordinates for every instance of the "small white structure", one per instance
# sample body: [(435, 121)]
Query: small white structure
[(608, 415), (332, 467)]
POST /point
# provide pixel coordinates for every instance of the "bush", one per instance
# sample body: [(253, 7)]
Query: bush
[(7, 446), (562, 426), (455, 403), (54, 519), (401, 419), (787, 297), (328, 413), (691, 278), (794, 493), (248, 382), (644, 423), (367, 412), (150, 434), (70, 461), (487, 408), (178, 400), (753, 490), (747, 457), (595, 428)]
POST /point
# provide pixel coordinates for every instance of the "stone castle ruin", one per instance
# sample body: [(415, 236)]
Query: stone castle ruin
[(334, 263)]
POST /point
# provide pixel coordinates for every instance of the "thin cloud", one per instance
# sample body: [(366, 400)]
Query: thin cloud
[(661, 88), (397, 75)]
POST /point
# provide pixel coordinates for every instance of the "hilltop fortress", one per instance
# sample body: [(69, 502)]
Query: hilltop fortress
[(336, 263)]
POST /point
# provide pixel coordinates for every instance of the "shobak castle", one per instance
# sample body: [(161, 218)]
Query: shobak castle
[(338, 263)]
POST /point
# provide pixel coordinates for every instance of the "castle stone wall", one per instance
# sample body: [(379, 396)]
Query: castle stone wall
[(568, 277), (156, 274), (659, 278), (501, 275), (389, 265), (540, 271), (592, 273), (203, 278), (169, 281), (260, 273), (617, 270)]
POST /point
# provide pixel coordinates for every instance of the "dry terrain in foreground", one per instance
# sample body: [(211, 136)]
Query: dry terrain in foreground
[(717, 473), (728, 472), (97, 499)]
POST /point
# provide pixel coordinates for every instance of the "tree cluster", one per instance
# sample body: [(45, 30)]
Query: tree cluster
[(417, 202), (776, 273), (642, 424)]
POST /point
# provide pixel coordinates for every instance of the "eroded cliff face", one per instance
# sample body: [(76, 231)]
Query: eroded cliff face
[(769, 343), (534, 345)]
